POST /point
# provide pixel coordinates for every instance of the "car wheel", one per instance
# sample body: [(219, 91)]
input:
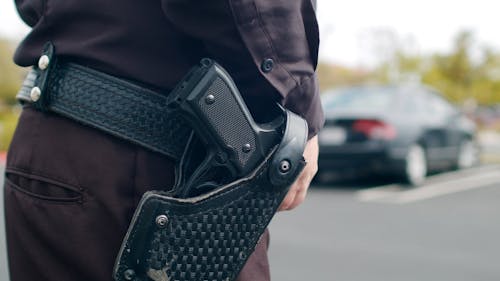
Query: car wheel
[(415, 165), (468, 154)]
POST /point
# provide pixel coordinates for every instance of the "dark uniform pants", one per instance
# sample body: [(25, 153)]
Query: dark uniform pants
[(70, 192)]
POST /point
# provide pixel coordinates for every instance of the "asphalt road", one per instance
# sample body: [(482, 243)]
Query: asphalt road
[(446, 230), (3, 258)]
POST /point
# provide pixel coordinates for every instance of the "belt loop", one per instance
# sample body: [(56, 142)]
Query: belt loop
[(39, 93)]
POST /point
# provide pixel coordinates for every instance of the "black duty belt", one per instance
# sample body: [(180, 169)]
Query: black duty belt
[(99, 100)]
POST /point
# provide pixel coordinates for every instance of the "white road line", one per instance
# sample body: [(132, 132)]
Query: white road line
[(463, 173), (373, 194), (440, 189), (396, 194)]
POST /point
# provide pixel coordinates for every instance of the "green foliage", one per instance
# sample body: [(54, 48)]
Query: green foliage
[(10, 75), (334, 75), (8, 121), (10, 80), (453, 73), (459, 75)]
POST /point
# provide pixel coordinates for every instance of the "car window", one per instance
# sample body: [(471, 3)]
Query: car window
[(414, 103), (438, 107), (358, 99)]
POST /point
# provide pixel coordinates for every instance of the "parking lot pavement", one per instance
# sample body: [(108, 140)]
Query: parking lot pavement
[(446, 230), (3, 259), (438, 185), (490, 146)]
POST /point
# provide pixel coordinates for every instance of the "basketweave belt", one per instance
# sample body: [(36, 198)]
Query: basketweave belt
[(116, 106)]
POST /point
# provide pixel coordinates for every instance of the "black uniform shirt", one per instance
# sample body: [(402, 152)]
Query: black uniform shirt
[(270, 47)]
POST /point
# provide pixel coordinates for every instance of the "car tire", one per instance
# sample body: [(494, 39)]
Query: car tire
[(468, 155), (415, 168)]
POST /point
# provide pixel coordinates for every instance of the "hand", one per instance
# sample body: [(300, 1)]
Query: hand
[(297, 193)]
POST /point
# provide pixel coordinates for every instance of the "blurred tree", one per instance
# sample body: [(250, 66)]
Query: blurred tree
[(332, 75), (453, 74), (10, 75), (462, 77), (10, 79), (466, 73), (486, 89)]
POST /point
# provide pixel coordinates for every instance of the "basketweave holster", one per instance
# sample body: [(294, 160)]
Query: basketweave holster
[(210, 237)]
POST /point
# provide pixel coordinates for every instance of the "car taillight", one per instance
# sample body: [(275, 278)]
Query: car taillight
[(375, 129)]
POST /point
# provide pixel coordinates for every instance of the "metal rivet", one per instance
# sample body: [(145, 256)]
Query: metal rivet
[(285, 166), (161, 221), (242, 256), (210, 99), (206, 62), (35, 94), (267, 65), (246, 148), (129, 274), (43, 62)]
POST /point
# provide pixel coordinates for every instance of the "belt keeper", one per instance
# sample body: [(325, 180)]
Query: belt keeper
[(39, 93)]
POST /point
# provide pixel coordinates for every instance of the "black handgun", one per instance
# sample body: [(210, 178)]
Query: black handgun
[(210, 102), (231, 179)]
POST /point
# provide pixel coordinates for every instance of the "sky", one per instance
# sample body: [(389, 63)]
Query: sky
[(347, 27), (430, 24)]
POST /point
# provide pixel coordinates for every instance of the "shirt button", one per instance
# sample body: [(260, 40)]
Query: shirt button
[(267, 65)]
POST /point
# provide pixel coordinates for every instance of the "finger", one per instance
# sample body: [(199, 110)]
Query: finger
[(299, 198), (301, 193), (297, 193), (289, 198), (292, 193)]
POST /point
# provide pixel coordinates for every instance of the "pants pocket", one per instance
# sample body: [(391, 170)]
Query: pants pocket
[(42, 187)]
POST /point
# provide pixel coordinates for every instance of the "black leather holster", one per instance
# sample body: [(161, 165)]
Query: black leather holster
[(210, 237)]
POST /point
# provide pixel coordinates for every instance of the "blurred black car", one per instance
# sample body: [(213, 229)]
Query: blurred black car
[(402, 130)]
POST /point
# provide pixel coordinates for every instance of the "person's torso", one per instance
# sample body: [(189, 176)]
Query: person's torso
[(127, 38)]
